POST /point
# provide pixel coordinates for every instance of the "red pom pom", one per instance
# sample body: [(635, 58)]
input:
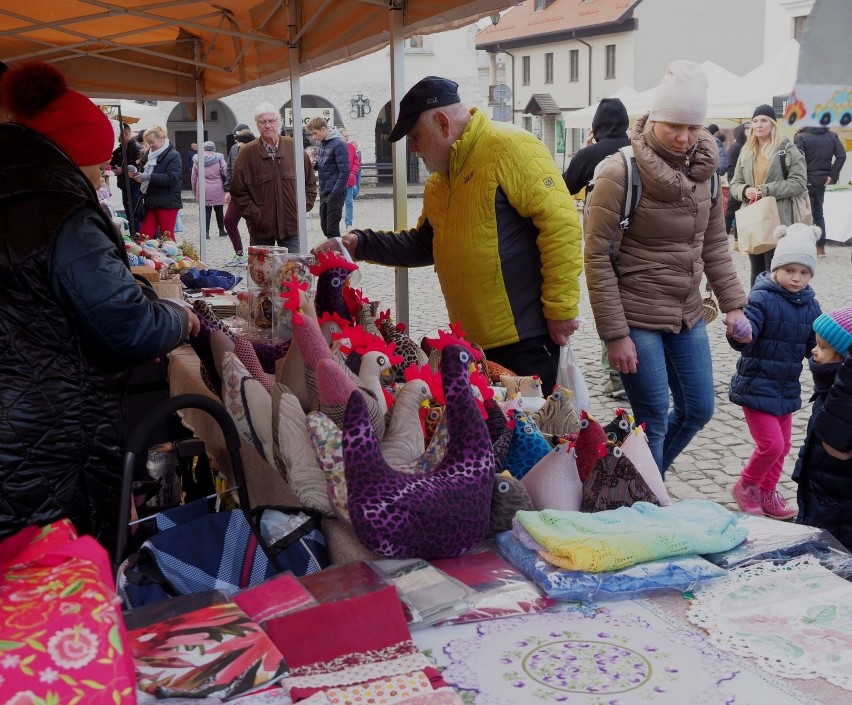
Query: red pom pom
[(29, 89)]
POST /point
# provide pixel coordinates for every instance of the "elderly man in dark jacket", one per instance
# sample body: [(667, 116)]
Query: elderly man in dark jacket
[(73, 320), (333, 173), (824, 156)]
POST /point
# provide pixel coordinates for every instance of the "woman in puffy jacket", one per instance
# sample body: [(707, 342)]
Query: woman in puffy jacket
[(768, 165), (215, 176), (645, 280)]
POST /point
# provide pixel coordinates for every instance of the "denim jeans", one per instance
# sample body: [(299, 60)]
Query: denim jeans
[(331, 208), (679, 362), (349, 206)]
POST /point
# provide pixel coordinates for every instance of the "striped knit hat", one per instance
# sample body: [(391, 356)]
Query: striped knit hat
[(836, 329)]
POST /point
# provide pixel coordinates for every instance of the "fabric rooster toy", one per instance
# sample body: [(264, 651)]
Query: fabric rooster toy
[(439, 515), (332, 271)]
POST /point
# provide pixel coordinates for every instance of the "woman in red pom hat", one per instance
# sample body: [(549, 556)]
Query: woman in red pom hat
[(73, 320)]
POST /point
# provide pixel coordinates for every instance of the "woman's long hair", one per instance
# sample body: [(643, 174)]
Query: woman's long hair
[(773, 145)]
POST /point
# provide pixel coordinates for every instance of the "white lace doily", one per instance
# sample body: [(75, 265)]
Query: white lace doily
[(795, 619)]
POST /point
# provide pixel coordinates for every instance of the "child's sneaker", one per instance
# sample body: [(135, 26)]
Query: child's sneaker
[(775, 506), (748, 498)]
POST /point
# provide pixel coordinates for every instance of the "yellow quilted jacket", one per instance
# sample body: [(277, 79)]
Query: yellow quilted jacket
[(507, 238)]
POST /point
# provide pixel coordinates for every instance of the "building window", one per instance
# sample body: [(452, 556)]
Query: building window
[(415, 42), (610, 61), (528, 123), (540, 5), (799, 27), (525, 69), (574, 65), (548, 68)]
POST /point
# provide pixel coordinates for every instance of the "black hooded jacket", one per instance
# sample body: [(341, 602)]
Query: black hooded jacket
[(609, 127)]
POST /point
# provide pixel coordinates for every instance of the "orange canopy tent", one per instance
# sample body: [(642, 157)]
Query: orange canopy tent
[(199, 50)]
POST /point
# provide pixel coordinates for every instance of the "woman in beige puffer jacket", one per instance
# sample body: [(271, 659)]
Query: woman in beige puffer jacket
[(644, 282)]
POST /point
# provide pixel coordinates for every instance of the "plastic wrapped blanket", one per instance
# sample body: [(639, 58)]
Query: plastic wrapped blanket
[(682, 574)]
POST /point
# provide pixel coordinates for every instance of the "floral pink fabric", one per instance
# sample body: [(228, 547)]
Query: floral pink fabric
[(62, 638)]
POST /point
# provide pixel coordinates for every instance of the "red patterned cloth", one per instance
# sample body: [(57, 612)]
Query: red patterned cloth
[(63, 635)]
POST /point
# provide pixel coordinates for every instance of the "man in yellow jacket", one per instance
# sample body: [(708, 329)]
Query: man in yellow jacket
[(498, 224)]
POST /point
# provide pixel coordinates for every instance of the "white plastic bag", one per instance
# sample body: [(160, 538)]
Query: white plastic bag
[(570, 376)]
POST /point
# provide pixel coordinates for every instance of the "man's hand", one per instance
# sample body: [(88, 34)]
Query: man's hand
[(332, 244), (560, 331), (622, 355)]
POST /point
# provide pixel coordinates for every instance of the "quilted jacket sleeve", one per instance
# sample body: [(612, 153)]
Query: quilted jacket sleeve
[(797, 176), (603, 237), (115, 319), (537, 191)]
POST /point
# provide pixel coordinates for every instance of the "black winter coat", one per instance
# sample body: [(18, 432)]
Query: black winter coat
[(825, 483), (824, 154), (72, 322), (609, 126), (734, 151), (166, 180)]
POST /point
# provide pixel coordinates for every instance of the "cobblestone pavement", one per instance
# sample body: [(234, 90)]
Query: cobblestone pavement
[(712, 462)]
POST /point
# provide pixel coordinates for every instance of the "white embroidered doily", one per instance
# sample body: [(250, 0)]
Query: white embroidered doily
[(795, 619)]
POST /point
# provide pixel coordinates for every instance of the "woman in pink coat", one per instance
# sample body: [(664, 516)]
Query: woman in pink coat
[(215, 171)]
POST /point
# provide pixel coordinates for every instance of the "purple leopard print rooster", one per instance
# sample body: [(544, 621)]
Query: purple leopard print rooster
[(439, 515)]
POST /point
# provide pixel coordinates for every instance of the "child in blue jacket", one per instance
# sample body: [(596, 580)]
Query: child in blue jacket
[(781, 310), (824, 473)]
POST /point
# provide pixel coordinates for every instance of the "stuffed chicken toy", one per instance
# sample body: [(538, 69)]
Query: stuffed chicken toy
[(553, 482), (635, 446), (619, 428), (411, 353), (526, 448), (404, 440), (614, 482), (557, 416), (588, 442), (372, 360), (508, 498), (332, 270), (439, 515)]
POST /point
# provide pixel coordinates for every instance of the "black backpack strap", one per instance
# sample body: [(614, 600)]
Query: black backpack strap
[(782, 155), (633, 190)]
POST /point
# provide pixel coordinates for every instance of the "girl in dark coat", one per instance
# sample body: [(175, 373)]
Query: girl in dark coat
[(781, 310), (824, 473)]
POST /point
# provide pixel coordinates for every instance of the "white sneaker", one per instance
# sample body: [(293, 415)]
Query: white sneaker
[(236, 261)]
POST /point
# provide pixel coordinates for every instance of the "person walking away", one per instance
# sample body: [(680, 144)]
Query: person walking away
[(782, 308), (609, 134), (242, 137), (713, 129), (740, 135), (263, 184), (498, 224), (824, 158), (824, 466), (160, 182), (128, 161), (768, 165), (645, 280), (73, 321), (215, 175), (332, 164), (352, 182)]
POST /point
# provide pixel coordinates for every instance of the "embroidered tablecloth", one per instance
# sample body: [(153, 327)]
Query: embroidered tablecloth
[(794, 618), (618, 655)]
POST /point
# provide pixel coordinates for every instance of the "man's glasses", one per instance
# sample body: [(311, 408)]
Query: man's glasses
[(267, 122)]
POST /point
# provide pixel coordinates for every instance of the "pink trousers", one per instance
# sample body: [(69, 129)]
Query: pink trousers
[(772, 436)]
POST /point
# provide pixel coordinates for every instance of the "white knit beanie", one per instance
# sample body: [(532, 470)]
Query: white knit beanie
[(796, 245), (681, 98)]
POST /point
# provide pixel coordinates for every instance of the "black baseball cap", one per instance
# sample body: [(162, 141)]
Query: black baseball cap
[(429, 92)]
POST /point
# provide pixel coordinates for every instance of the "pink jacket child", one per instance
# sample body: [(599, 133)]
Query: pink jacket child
[(215, 172)]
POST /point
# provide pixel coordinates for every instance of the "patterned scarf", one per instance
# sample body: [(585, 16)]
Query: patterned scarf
[(151, 163)]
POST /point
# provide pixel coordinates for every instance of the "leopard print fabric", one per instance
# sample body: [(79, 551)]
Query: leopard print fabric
[(439, 515)]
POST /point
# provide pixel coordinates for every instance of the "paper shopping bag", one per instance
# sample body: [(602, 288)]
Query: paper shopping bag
[(755, 225)]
